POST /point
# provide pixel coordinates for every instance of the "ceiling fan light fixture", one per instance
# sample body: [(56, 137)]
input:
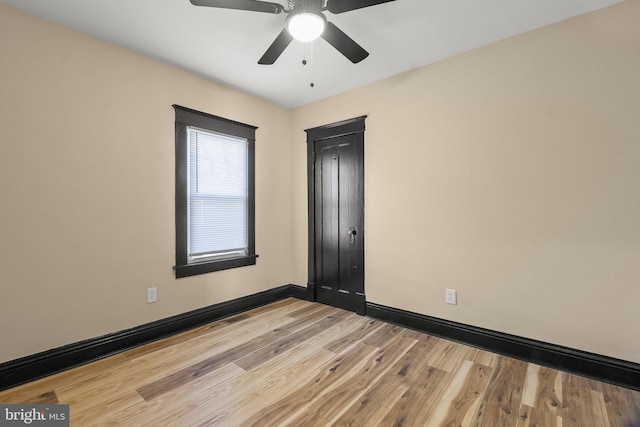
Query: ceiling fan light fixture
[(306, 26)]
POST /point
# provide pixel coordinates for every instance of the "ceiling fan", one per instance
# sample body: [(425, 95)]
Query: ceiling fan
[(305, 22)]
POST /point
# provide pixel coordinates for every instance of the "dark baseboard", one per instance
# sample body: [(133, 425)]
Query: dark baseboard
[(603, 368), (29, 368), (300, 292), (311, 291)]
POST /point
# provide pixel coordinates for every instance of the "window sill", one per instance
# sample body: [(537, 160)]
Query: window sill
[(211, 266)]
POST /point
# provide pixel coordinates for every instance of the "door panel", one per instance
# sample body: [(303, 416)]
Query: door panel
[(339, 217), (328, 237)]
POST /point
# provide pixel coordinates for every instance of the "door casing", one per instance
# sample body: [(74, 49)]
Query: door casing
[(315, 135)]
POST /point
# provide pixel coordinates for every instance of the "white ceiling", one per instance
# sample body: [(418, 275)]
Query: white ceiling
[(225, 45)]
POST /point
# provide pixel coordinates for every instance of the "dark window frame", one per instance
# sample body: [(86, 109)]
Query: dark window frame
[(186, 117)]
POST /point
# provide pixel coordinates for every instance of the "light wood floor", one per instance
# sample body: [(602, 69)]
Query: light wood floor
[(298, 363)]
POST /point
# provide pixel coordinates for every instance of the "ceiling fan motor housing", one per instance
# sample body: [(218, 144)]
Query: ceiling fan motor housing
[(309, 6)]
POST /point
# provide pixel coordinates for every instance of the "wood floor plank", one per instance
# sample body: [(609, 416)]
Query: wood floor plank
[(373, 407), (79, 375), (87, 412), (543, 389), (447, 355), (182, 337), (334, 402), (180, 403), (269, 351), (200, 338), (260, 387), (416, 405), (484, 358), (291, 304), (346, 342), (328, 377), (255, 390), (533, 417), (530, 388), (43, 398), (501, 402), (383, 335), (463, 407), (622, 408), (212, 363), (309, 308), (172, 358), (376, 402), (299, 363), (583, 406), (183, 376), (422, 382)]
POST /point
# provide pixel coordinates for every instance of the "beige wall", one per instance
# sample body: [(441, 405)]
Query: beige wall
[(512, 174), (87, 188), (509, 173)]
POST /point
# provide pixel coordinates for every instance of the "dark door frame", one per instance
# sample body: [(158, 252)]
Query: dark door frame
[(314, 135)]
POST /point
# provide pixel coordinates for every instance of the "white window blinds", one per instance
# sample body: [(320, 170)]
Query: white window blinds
[(217, 196)]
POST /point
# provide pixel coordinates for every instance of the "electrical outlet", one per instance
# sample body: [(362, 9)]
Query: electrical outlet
[(152, 295), (451, 296)]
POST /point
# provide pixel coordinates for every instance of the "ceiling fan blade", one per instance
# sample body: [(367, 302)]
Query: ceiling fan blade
[(277, 47), (340, 6), (251, 5), (344, 44)]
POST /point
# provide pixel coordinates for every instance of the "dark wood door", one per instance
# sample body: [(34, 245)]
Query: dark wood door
[(339, 221)]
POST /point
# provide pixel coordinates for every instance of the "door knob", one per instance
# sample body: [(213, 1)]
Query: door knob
[(352, 234)]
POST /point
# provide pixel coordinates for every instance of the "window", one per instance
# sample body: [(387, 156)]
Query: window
[(215, 213)]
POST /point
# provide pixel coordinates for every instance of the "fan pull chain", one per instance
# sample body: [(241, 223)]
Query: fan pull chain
[(304, 62)]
